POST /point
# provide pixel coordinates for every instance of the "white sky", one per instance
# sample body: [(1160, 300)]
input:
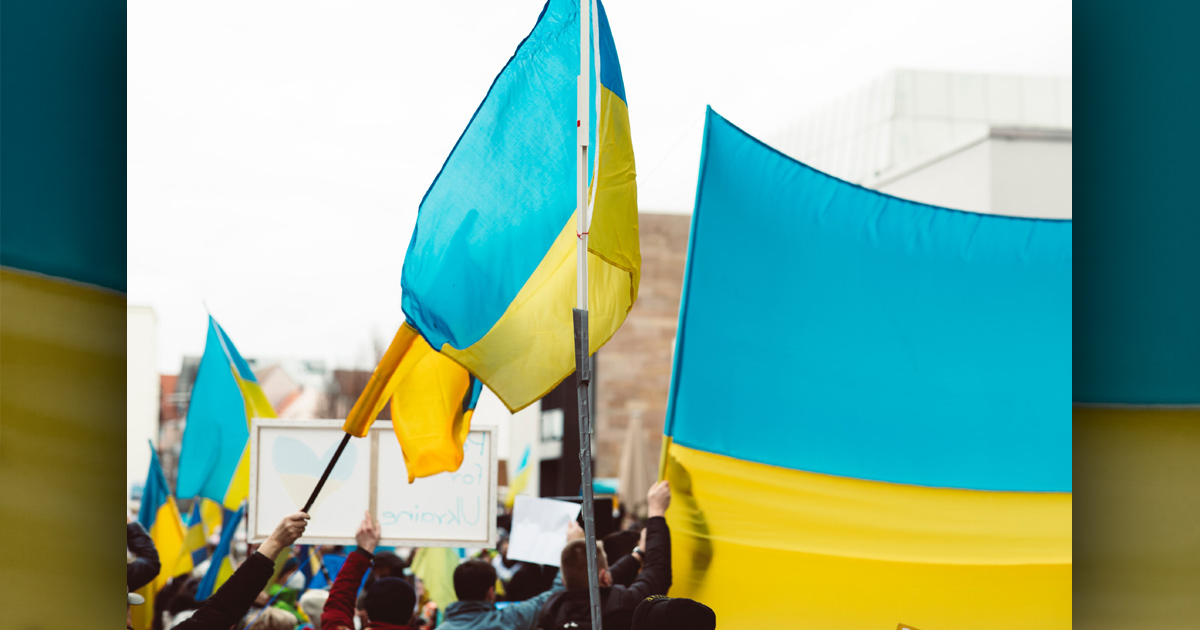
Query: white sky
[(278, 150)]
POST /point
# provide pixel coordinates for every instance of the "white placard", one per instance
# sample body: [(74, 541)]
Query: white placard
[(540, 529), (287, 458)]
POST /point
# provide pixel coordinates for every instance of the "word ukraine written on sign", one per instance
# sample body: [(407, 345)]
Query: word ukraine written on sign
[(454, 515), (444, 501)]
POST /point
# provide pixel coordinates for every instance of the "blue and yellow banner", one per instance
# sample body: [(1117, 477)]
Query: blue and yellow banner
[(214, 460), (894, 445)]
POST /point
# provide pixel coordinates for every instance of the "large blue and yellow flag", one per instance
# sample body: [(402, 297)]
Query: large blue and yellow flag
[(489, 276), (894, 445), (160, 516), (220, 568), (214, 460)]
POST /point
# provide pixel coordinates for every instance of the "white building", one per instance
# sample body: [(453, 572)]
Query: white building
[(986, 143), (141, 392)]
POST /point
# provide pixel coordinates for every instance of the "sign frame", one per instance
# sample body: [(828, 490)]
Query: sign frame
[(381, 429)]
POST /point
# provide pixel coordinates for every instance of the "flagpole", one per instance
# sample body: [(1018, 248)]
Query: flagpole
[(582, 355)]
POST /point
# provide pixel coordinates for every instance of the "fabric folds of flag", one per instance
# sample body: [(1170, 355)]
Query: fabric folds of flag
[(214, 461), (159, 515), (489, 276), (221, 566), (922, 472), (432, 400)]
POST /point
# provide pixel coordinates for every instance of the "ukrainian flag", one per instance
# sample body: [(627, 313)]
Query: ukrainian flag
[(160, 516), (520, 479), (221, 566), (194, 544), (894, 445), (489, 276), (214, 460)]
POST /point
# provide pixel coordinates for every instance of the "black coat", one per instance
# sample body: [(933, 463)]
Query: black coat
[(145, 565), (618, 602), (231, 602)]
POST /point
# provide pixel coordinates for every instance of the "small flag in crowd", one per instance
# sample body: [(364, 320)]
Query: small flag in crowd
[(212, 513), (194, 542), (159, 515), (214, 462), (489, 279), (220, 567), (520, 480)]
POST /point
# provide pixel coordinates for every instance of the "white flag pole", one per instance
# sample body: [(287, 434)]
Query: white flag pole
[(582, 349)]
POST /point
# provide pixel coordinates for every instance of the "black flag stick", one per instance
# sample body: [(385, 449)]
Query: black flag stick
[(325, 475)]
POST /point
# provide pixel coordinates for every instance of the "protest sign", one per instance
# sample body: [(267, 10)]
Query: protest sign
[(539, 530), (287, 458)]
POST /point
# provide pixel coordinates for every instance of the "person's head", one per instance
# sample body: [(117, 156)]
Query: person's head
[(390, 600), (574, 565), (288, 569), (659, 612), (387, 564), (620, 544), (475, 581), (274, 619), (312, 602)]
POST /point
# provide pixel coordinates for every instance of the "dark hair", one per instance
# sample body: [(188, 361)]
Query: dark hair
[(574, 563), (387, 564), (659, 612), (390, 600), (620, 544), (472, 579), (529, 581)]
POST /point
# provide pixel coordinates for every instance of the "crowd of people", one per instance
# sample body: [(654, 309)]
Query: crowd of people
[(377, 590)]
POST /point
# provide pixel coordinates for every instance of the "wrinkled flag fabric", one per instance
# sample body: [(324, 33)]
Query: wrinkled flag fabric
[(214, 459), (910, 460), (489, 276)]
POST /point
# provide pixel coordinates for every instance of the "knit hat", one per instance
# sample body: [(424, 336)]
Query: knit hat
[(390, 600), (660, 612)]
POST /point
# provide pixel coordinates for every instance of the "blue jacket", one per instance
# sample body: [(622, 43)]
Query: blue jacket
[(477, 615)]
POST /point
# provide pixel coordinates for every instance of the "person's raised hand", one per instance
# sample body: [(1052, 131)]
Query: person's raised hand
[(659, 499), (289, 529), (368, 533), (574, 531)]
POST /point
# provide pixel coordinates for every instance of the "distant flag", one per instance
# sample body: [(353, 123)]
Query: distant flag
[(489, 278), (212, 513), (214, 461), (520, 480), (195, 542), (220, 567), (159, 515), (435, 566), (311, 565)]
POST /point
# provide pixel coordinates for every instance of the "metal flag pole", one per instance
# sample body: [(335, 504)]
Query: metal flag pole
[(583, 370)]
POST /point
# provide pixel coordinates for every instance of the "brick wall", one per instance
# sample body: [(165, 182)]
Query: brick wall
[(634, 368)]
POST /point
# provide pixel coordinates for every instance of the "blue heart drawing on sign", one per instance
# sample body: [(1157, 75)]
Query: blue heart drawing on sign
[(299, 468)]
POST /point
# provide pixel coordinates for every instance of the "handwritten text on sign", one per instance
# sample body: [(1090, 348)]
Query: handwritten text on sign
[(447, 506)]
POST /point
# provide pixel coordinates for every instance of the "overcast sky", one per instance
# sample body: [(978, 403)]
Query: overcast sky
[(278, 150)]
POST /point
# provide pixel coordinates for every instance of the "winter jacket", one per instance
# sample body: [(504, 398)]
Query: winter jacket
[(617, 602), (339, 608), (233, 599), (477, 615), (145, 566)]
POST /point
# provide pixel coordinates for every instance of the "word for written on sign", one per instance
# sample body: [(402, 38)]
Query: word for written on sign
[(451, 506)]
